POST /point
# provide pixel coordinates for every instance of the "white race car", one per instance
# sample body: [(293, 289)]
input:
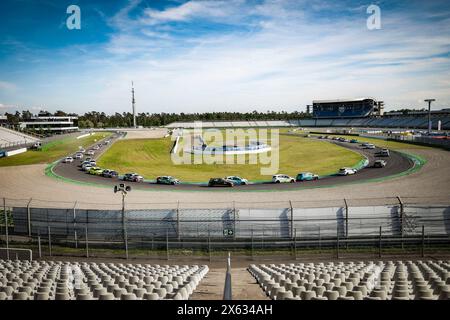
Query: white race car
[(282, 178)]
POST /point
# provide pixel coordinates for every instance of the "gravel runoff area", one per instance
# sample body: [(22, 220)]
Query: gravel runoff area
[(431, 182)]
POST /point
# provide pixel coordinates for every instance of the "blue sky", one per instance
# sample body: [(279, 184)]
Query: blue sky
[(221, 55)]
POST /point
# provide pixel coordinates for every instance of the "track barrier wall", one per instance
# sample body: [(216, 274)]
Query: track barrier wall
[(284, 220)]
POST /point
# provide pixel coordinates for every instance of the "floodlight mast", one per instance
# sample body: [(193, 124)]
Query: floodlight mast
[(133, 103), (429, 113), (124, 190)]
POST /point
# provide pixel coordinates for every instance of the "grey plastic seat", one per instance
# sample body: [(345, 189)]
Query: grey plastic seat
[(161, 292), (41, 296), (379, 293), (130, 287), (151, 296), (424, 294), (106, 296), (21, 296), (8, 290), (118, 292), (139, 292), (363, 289), (307, 295), (84, 296), (183, 292), (357, 295), (319, 290), (128, 296), (168, 287), (400, 295), (348, 284), (444, 295), (331, 295), (99, 291), (61, 295), (82, 290)]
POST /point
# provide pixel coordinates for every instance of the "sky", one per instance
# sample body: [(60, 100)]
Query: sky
[(221, 55)]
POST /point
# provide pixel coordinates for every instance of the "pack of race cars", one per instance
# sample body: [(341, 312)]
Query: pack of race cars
[(89, 165)]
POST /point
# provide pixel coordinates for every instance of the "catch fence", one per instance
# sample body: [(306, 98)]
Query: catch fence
[(249, 226)]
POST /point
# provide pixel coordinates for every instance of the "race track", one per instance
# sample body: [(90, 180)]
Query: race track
[(427, 185), (396, 163)]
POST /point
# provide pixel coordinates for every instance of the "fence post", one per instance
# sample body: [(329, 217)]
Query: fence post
[(39, 246), (262, 238), (295, 243), (178, 220), (124, 227), (292, 219), (423, 241), (234, 220), (337, 243), (320, 241), (49, 241), (400, 202), (379, 245), (6, 228), (209, 244), (74, 221), (29, 217), (87, 242), (252, 242), (346, 222), (167, 244), (402, 217)]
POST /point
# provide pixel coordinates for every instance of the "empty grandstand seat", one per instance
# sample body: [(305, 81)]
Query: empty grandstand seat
[(356, 280), (89, 281)]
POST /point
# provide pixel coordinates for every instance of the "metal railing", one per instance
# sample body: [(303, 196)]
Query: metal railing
[(16, 253)]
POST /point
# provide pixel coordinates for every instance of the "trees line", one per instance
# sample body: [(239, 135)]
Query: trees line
[(96, 119)]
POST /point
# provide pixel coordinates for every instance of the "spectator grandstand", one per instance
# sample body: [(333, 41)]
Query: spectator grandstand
[(347, 108), (407, 122), (11, 138)]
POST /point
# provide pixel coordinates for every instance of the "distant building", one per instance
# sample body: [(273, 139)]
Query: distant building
[(3, 120), (347, 108), (50, 124)]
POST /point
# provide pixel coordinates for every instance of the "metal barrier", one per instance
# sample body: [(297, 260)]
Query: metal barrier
[(16, 256), (292, 226), (227, 293)]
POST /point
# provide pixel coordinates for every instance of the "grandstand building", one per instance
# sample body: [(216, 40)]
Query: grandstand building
[(347, 108), (51, 124)]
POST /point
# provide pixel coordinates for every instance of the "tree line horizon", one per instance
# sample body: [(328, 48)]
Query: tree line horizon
[(95, 119)]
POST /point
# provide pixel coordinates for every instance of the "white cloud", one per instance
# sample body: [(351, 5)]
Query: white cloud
[(188, 10), (7, 86), (281, 58)]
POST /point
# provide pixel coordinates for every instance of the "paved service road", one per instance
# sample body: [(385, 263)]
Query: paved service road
[(396, 163)]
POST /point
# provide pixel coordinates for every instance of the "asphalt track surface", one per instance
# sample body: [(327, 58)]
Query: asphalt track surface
[(396, 163)]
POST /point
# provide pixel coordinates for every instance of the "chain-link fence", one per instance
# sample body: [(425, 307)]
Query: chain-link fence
[(252, 227)]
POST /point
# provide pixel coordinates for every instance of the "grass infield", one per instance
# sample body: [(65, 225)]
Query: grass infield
[(151, 158)]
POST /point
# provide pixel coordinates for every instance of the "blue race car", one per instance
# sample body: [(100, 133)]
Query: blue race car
[(306, 176)]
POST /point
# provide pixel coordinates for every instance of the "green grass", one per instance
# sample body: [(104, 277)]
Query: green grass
[(151, 158), (52, 151)]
